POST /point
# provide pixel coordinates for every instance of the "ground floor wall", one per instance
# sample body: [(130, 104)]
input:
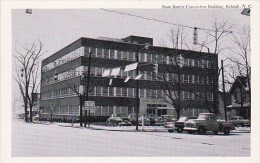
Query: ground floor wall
[(105, 106)]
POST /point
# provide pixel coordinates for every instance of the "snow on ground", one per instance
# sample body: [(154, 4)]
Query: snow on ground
[(56, 139)]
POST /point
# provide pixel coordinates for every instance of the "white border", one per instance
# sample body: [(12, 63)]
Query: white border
[(6, 66)]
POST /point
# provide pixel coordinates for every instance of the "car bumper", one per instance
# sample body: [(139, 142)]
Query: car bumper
[(190, 128)]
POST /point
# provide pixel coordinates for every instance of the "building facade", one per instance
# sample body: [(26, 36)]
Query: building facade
[(60, 98)]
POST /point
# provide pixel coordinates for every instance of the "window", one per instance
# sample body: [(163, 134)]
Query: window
[(105, 91), (92, 90), (209, 64), (98, 91), (93, 52), (132, 56), (130, 92), (153, 93), (104, 110), (210, 96), (98, 110), (142, 93), (111, 91), (210, 80), (119, 54), (99, 53), (154, 57), (124, 55), (106, 53), (198, 79), (124, 92), (185, 78), (112, 54), (142, 57), (149, 57), (98, 71), (191, 62), (185, 62), (86, 51), (118, 91)]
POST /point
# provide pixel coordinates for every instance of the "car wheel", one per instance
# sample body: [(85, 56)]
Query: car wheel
[(201, 130), (190, 131), (215, 132), (170, 131), (226, 131), (179, 130), (242, 125)]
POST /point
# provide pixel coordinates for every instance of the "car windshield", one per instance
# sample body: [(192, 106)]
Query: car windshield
[(182, 119), (202, 116)]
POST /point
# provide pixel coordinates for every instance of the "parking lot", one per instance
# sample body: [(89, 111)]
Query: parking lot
[(60, 139)]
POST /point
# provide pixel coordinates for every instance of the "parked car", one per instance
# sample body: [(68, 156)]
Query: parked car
[(114, 120), (179, 125), (170, 126), (239, 121), (125, 122), (207, 122), (168, 118)]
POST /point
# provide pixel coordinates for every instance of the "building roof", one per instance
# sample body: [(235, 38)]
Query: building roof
[(240, 81)]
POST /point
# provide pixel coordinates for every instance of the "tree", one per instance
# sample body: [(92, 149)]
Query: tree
[(27, 72), (171, 84), (219, 31), (240, 62)]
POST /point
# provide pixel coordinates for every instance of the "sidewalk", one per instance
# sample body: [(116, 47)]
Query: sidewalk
[(119, 128)]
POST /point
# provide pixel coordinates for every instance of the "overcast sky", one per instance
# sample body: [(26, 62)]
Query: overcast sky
[(56, 28)]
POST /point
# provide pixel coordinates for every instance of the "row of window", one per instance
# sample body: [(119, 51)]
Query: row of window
[(125, 55), (72, 110), (108, 110), (127, 92), (98, 71), (98, 110)]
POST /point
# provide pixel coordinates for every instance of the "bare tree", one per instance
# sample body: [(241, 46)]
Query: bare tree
[(27, 72), (171, 84), (240, 61), (214, 37)]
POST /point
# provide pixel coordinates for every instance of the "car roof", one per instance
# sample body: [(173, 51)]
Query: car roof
[(207, 113)]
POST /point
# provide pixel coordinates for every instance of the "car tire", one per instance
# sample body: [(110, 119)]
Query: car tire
[(179, 130), (171, 131), (201, 130), (190, 131), (226, 131), (242, 125)]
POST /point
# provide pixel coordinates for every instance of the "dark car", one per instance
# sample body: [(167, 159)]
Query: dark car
[(179, 125), (239, 121)]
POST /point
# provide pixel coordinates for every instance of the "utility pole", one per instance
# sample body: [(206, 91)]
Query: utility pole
[(137, 92), (224, 92), (87, 86)]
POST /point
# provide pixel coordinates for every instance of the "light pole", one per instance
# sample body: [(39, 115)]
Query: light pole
[(137, 86), (84, 96)]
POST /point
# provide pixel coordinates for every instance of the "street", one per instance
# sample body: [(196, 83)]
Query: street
[(51, 139)]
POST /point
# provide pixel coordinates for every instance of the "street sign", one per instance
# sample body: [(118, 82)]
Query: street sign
[(89, 103)]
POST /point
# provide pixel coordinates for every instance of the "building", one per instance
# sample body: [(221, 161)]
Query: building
[(59, 98), (240, 104)]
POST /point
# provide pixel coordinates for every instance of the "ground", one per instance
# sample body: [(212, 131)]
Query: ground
[(55, 139)]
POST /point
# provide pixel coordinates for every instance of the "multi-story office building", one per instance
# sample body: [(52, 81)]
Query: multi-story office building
[(59, 98)]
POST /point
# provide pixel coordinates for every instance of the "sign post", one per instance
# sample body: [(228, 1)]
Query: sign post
[(89, 107)]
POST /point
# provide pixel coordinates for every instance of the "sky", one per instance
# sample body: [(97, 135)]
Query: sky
[(57, 28)]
